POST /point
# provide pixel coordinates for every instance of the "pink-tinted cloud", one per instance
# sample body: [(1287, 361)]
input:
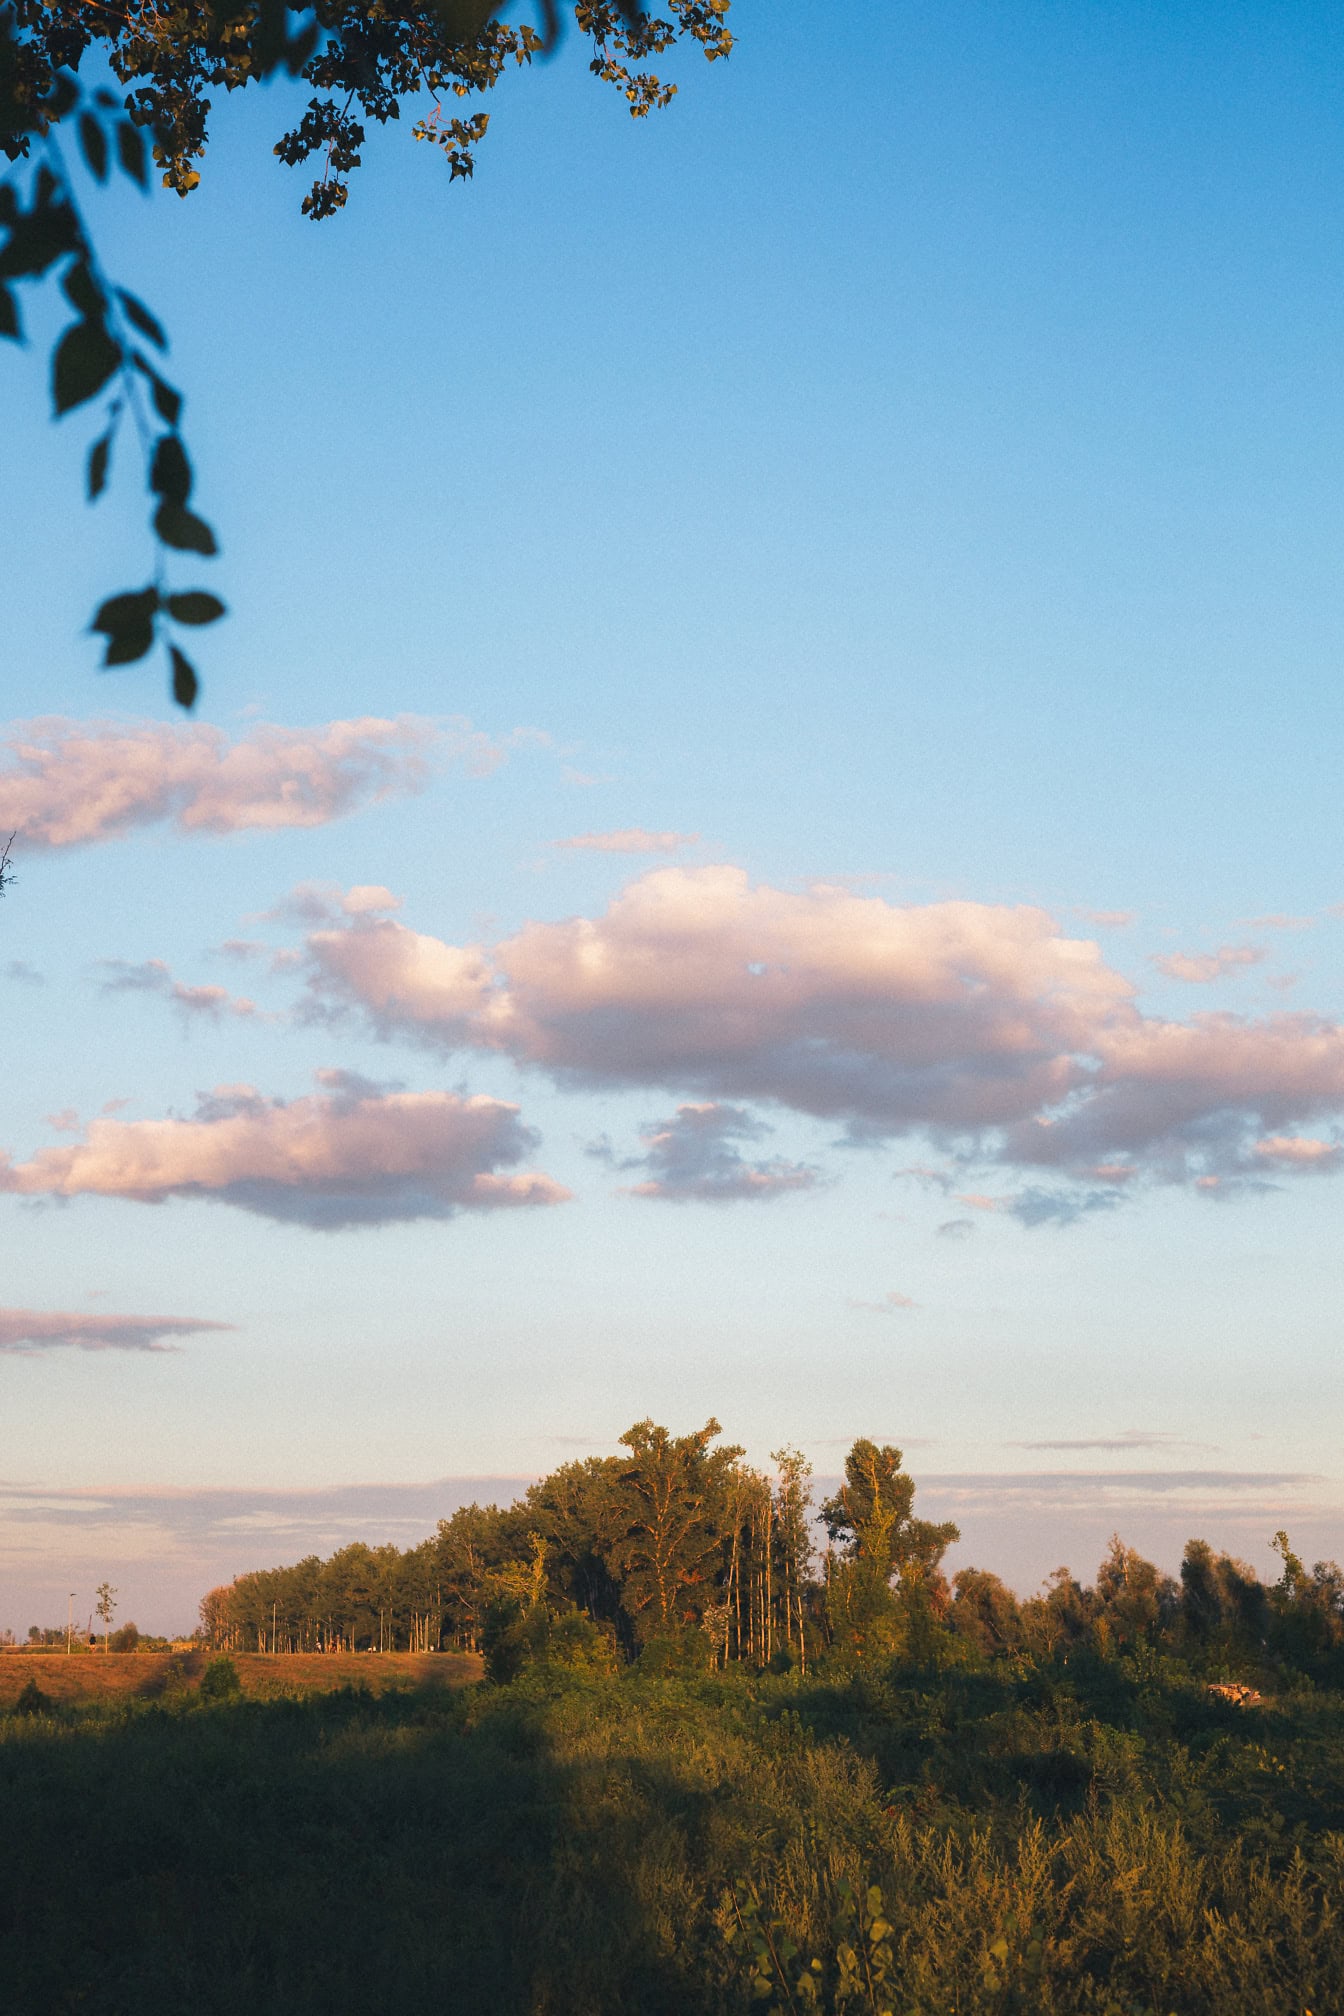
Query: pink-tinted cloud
[(1199, 968), (67, 783), (152, 976), (694, 1157), (28, 1331), (352, 1154), (630, 840), (1109, 920), (1298, 1151), (961, 1015), (890, 1305), (981, 1027)]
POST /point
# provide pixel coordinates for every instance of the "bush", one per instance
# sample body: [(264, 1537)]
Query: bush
[(220, 1681), (124, 1640)]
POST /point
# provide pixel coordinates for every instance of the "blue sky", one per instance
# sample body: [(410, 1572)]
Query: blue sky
[(908, 466)]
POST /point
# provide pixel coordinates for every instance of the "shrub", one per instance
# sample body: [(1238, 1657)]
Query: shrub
[(220, 1681)]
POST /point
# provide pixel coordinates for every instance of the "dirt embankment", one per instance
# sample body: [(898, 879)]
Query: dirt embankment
[(92, 1676)]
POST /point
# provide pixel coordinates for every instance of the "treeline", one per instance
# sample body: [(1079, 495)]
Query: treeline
[(679, 1553)]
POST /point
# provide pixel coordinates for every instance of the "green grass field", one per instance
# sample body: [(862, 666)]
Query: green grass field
[(1103, 1837)]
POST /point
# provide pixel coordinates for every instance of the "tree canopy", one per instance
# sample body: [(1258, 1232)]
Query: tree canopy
[(363, 62)]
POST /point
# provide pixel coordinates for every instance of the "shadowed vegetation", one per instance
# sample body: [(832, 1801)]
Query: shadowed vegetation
[(921, 1798)]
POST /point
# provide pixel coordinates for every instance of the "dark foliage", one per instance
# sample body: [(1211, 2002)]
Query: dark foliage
[(166, 60)]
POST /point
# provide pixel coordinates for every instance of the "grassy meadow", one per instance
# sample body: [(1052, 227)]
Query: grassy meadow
[(1100, 1834)]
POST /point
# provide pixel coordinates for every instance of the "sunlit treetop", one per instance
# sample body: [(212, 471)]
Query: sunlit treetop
[(365, 61)]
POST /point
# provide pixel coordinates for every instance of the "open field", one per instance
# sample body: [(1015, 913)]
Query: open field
[(100, 1676), (1090, 1839)]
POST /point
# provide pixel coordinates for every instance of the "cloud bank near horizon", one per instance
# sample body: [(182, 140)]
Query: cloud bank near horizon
[(981, 1027), (352, 1154), (68, 783), (26, 1332)]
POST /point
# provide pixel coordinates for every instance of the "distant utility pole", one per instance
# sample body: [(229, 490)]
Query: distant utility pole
[(69, 1622)]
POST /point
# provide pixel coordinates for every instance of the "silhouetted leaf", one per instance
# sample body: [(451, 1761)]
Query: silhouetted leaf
[(131, 151), (170, 472), (39, 236), (125, 612), (127, 621), (62, 95), (195, 606), (93, 141), (86, 358), (185, 686), (129, 645), (82, 291), (9, 315), (99, 456), (183, 530), (146, 323), (167, 401)]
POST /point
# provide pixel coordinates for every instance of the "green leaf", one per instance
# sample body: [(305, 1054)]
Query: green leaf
[(195, 606), (167, 401), (185, 683), (131, 150), (99, 456), (170, 471), (146, 323), (182, 529), (125, 612), (9, 315), (86, 358), (93, 141)]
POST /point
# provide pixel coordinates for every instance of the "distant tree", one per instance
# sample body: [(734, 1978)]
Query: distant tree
[(578, 1511), (1308, 1609), (466, 1548), (106, 1609), (365, 62), (126, 1638), (986, 1612), (6, 872), (793, 1543), (670, 1500), (1224, 1606), (1135, 1600), (887, 1569), (871, 1516)]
